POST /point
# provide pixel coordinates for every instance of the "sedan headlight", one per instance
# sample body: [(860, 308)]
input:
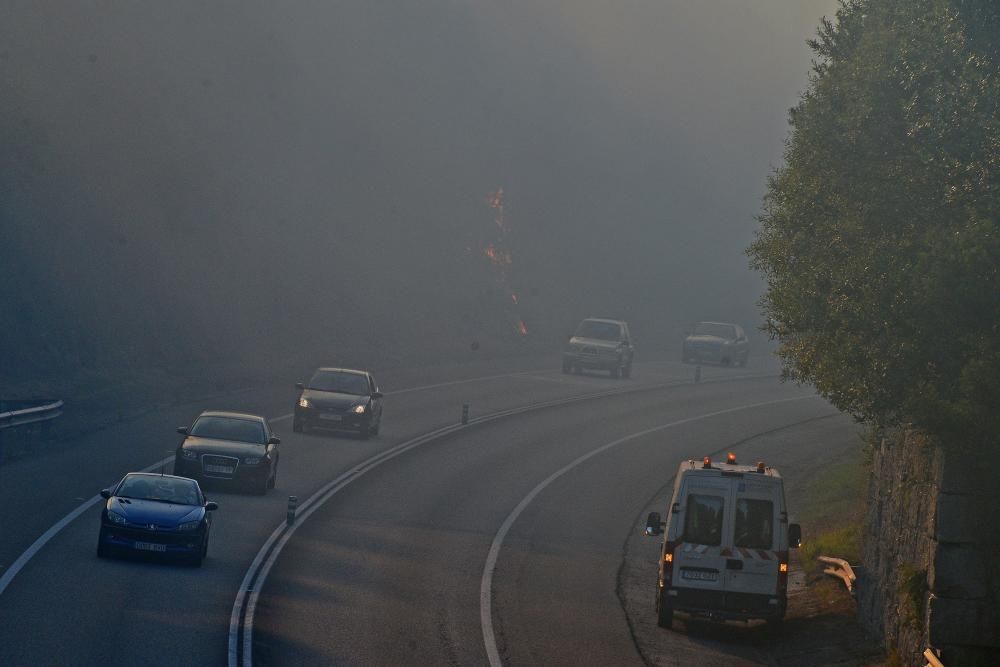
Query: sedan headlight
[(188, 526), (190, 454), (304, 403), (116, 518), (251, 460), (359, 409)]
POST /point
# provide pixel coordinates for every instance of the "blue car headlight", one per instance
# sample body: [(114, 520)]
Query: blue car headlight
[(189, 454), (359, 409), (116, 518), (251, 460), (189, 526)]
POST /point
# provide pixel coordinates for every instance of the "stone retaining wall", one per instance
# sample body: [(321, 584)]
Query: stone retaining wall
[(931, 551)]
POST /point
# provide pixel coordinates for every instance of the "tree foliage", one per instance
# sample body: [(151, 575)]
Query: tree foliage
[(880, 236)]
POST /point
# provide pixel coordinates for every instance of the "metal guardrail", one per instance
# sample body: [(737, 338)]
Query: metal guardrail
[(21, 413), (932, 660), (840, 568)]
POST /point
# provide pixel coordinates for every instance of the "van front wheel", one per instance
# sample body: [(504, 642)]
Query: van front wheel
[(664, 612)]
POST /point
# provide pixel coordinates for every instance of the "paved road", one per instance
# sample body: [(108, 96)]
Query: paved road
[(390, 572), (66, 607)]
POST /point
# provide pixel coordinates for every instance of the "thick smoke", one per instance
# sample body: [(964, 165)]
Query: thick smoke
[(219, 183)]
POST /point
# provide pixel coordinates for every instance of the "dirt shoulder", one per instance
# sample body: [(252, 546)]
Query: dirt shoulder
[(819, 460)]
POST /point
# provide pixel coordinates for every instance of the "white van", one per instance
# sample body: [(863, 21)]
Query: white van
[(725, 543)]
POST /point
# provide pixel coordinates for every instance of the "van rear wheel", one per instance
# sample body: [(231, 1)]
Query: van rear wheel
[(664, 612)]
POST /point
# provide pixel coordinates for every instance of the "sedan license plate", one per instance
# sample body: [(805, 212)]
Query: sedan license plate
[(699, 575), (223, 469), (149, 546), (332, 418)]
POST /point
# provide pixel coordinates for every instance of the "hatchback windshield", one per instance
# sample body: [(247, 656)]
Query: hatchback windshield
[(163, 489), (340, 382), (713, 329), (599, 330), (229, 428)]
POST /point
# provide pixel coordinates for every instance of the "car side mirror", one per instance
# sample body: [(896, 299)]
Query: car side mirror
[(300, 385), (654, 524), (183, 430), (275, 440), (211, 507), (105, 493), (377, 395), (794, 535)]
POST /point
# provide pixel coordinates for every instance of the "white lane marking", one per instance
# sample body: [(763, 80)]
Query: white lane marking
[(36, 546), (47, 536), (245, 604), (486, 583)]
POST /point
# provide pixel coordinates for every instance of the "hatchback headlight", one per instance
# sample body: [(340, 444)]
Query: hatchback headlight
[(359, 409), (251, 460), (188, 526), (304, 403), (189, 454), (116, 518)]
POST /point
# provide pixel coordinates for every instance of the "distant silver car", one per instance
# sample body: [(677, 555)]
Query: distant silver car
[(716, 343), (600, 344)]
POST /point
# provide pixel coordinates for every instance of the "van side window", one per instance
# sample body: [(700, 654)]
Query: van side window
[(754, 520), (703, 520)]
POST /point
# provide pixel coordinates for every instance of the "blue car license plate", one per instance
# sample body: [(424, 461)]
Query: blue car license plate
[(149, 546)]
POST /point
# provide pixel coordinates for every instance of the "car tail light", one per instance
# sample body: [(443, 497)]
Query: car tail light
[(782, 572), (668, 562)]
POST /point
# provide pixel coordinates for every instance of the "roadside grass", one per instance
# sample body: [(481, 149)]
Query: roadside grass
[(831, 513)]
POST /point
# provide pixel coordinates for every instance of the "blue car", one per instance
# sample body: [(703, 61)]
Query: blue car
[(156, 514)]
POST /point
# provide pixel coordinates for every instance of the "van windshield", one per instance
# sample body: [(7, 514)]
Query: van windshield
[(703, 520), (754, 520)]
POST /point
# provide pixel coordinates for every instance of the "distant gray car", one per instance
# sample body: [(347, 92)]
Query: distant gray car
[(716, 343), (600, 344)]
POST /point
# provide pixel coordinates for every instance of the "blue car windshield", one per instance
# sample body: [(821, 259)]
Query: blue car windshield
[(163, 489), (229, 428), (599, 330)]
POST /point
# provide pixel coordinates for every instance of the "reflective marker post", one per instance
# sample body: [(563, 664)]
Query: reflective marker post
[(293, 503), (465, 413)]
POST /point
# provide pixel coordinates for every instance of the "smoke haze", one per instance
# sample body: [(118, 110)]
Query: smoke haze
[(191, 181)]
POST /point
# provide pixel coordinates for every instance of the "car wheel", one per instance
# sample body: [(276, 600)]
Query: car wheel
[(260, 488), (297, 426), (378, 425), (273, 482), (102, 549), (197, 559), (774, 626), (627, 371), (616, 372), (664, 612)]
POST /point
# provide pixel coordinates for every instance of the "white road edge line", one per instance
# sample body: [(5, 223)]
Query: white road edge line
[(54, 530), (245, 604), (486, 583)]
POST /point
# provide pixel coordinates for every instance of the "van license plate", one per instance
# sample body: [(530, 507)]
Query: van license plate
[(226, 470), (699, 575), (149, 546)]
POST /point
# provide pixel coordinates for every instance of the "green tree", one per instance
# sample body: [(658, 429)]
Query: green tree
[(880, 235)]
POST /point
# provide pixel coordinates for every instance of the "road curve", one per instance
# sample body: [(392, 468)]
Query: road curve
[(67, 607), (391, 571)]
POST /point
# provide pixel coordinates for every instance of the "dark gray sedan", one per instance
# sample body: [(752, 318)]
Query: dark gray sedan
[(716, 343)]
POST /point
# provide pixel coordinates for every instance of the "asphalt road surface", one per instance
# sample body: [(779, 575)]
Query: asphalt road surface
[(391, 569)]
